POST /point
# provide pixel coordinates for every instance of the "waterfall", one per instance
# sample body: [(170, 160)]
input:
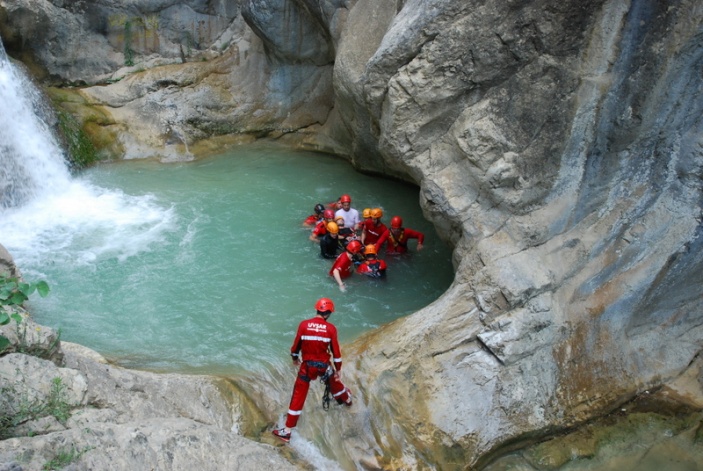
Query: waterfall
[(31, 162), (46, 214)]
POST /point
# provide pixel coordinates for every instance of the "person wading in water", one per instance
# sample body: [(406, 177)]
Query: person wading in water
[(398, 236), (344, 264), (372, 267)]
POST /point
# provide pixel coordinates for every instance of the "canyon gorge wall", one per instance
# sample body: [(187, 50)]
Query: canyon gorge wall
[(557, 145)]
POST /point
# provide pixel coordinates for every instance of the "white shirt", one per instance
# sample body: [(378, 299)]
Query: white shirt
[(351, 217)]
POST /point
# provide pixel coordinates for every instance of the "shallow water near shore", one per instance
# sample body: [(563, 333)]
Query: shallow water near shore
[(204, 266)]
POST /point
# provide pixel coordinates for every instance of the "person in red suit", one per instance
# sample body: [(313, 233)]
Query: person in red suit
[(372, 229), (397, 237), (344, 265), (316, 217), (372, 267), (315, 340), (320, 228)]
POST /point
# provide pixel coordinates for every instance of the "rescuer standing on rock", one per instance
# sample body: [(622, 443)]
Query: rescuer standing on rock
[(315, 341)]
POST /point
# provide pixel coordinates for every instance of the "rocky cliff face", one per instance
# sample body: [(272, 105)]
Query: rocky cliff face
[(557, 146)]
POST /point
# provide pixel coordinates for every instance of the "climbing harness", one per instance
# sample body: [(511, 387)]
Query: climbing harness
[(326, 395)]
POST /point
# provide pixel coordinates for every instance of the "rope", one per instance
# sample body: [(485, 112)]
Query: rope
[(326, 395)]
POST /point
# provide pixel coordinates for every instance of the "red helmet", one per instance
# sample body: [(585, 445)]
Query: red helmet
[(354, 246), (324, 304), (328, 214), (396, 222), (345, 199)]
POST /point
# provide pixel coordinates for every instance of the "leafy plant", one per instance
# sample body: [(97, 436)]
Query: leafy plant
[(14, 292)]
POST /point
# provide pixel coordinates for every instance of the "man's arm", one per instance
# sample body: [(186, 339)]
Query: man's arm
[(411, 234), (336, 351), (297, 345), (338, 278)]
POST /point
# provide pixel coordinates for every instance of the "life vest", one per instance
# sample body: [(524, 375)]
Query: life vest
[(373, 269)]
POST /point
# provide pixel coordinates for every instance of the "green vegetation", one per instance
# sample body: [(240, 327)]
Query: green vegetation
[(63, 458), (26, 410), (85, 129), (128, 51), (57, 405), (14, 292), (81, 149)]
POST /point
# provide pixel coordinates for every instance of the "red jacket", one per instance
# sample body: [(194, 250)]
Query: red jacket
[(315, 339), (399, 243), (373, 231), (320, 228), (310, 220), (344, 264)]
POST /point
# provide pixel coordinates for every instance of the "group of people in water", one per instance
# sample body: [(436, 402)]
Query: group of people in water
[(354, 241)]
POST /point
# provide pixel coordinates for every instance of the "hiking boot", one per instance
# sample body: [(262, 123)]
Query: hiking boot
[(282, 434)]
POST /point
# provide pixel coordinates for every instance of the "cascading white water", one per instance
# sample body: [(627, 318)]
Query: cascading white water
[(42, 207), (31, 163)]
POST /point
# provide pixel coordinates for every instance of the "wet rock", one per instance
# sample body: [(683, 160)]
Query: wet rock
[(7, 264)]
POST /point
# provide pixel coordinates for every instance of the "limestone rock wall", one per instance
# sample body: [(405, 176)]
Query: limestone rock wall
[(166, 75), (558, 145)]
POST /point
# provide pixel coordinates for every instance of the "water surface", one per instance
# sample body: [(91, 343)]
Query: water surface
[(204, 266)]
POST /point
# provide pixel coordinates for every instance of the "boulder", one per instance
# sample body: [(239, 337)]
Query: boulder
[(93, 415)]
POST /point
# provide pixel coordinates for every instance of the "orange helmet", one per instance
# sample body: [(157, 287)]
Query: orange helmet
[(377, 213), (354, 246), (332, 228), (324, 305), (345, 199), (366, 213), (328, 214), (370, 250), (396, 222)]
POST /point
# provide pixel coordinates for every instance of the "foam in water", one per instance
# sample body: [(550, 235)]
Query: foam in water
[(42, 208)]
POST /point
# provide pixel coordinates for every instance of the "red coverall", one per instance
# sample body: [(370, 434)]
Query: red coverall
[(373, 231), (320, 228), (315, 339), (311, 220), (399, 243), (345, 265)]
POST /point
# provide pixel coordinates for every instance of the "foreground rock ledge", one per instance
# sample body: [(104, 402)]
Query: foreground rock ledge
[(126, 420)]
